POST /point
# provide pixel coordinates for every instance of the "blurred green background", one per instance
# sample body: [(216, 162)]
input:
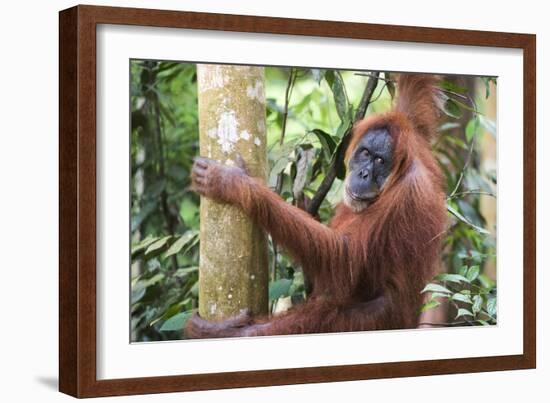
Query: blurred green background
[(165, 213)]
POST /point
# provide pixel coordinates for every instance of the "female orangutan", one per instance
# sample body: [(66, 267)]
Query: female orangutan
[(369, 266)]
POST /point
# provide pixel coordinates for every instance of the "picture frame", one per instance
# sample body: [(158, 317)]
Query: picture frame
[(78, 314)]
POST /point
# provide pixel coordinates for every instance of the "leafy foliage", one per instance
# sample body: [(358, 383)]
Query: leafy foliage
[(473, 297), (164, 213), (308, 111), (470, 243)]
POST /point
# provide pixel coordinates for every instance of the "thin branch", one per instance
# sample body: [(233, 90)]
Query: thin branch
[(471, 192), (367, 95), (279, 186), (288, 94), (380, 93), (456, 94), (324, 187), (159, 134), (388, 80), (470, 152), (463, 171)]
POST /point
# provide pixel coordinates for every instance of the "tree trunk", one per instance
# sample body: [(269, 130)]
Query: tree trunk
[(233, 273)]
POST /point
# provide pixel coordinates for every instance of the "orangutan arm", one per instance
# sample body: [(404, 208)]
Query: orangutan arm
[(304, 238)]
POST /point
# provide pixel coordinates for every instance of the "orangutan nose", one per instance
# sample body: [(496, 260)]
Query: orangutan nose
[(363, 173)]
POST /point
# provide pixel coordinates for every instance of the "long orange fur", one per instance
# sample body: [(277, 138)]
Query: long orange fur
[(367, 268)]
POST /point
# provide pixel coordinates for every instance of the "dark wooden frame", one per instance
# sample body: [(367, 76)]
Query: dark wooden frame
[(77, 211)]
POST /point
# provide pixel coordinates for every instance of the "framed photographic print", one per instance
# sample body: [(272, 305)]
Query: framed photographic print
[(254, 201)]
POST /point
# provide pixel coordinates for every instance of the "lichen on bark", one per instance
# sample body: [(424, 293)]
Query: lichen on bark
[(233, 272)]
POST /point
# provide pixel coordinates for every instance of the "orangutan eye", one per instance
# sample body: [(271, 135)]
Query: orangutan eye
[(379, 160), (365, 152)]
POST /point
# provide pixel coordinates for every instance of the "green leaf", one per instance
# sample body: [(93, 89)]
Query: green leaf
[(471, 129), (478, 302), (140, 287), (468, 107), (430, 305), (486, 281), (439, 295), (436, 288), (176, 322), (156, 188), (344, 128), (277, 169), (282, 151), (448, 105), (172, 310), (303, 171), (189, 245), (327, 142), (153, 280), (453, 278), (452, 109), (449, 126), (463, 312), (492, 306), (336, 84), (153, 264), (194, 291), (137, 294), (449, 86), (180, 243), (455, 141), (473, 273), (158, 245), (305, 102), (184, 271), (167, 114), (334, 195), (189, 212), (462, 298), (143, 244), (455, 212), (279, 288)]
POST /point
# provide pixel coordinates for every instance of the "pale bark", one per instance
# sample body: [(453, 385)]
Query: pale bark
[(233, 273)]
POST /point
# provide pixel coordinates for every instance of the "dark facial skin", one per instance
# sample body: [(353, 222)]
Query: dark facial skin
[(370, 165)]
